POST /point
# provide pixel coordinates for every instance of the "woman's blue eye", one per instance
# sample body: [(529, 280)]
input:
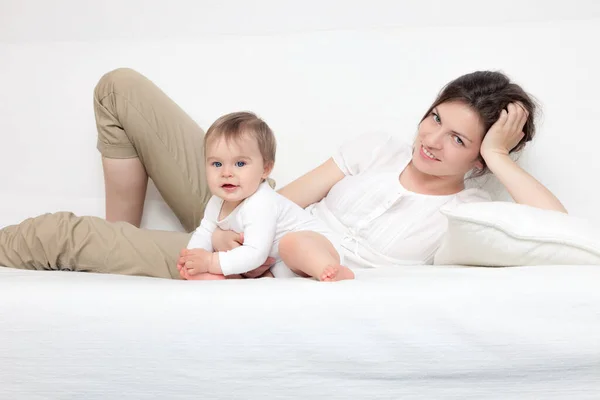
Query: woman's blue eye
[(240, 163), (459, 140), (436, 118), (217, 164)]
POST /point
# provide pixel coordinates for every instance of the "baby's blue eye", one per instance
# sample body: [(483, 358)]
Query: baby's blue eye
[(217, 164), (240, 163)]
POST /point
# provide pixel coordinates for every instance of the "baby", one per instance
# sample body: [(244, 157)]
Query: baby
[(239, 156)]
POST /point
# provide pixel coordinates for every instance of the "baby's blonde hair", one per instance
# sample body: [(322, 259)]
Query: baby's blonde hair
[(234, 125)]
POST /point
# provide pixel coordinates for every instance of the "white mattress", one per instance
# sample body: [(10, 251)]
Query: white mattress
[(405, 333)]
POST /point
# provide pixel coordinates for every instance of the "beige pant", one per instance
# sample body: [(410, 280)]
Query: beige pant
[(134, 119)]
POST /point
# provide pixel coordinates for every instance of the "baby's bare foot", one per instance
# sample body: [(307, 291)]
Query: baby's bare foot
[(335, 273), (267, 274), (199, 277)]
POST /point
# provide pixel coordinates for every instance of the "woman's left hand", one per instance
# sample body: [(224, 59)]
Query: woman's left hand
[(506, 132), (502, 137)]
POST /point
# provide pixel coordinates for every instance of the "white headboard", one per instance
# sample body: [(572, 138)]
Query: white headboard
[(319, 72)]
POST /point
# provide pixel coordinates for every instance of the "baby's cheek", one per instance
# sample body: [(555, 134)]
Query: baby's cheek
[(212, 179)]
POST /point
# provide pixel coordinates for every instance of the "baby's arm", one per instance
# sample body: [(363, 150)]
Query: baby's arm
[(259, 219), (202, 236)]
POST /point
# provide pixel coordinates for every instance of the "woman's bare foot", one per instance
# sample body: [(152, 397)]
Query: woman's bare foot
[(335, 273)]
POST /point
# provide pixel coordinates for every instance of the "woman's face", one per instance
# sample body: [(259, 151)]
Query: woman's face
[(448, 141)]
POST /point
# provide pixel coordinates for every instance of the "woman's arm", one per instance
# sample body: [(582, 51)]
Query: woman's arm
[(523, 187), (503, 136), (313, 186)]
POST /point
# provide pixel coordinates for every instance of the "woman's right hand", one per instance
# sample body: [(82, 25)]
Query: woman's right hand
[(229, 240)]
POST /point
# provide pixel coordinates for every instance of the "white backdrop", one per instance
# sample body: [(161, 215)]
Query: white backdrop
[(319, 72)]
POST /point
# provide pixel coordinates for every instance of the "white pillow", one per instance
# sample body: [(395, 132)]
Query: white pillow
[(510, 234)]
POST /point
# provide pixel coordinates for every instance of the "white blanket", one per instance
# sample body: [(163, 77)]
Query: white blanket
[(402, 333)]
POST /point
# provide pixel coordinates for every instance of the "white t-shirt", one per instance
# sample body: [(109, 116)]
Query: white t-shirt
[(381, 222), (264, 218)]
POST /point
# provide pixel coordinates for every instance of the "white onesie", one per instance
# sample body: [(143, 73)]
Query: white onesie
[(264, 218)]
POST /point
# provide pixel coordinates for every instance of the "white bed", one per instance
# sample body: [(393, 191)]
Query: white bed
[(402, 333), (320, 72)]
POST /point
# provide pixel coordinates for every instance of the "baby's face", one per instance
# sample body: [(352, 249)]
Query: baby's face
[(235, 168)]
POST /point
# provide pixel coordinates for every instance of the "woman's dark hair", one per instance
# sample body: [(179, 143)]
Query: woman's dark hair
[(488, 93)]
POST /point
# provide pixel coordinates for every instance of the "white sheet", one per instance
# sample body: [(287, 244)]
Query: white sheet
[(410, 332)]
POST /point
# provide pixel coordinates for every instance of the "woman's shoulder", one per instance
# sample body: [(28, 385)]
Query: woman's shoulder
[(382, 141), (369, 150)]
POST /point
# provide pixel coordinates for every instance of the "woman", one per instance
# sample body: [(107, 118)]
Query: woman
[(382, 195)]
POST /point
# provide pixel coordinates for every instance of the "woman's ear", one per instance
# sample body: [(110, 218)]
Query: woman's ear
[(478, 164)]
